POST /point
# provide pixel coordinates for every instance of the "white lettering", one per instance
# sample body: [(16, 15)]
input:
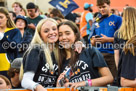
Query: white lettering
[(60, 8)]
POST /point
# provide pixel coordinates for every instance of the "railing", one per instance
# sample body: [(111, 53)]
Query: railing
[(109, 88)]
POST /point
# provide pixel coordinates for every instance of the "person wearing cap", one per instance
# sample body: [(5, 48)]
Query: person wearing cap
[(14, 71), (32, 18), (86, 21), (21, 24)]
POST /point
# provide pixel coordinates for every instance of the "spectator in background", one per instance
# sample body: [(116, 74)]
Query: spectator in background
[(4, 83), (10, 35), (23, 12), (26, 37), (57, 19), (103, 33), (13, 73), (56, 13), (49, 10), (115, 12), (17, 8), (32, 18), (125, 57), (86, 22), (39, 12), (12, 15), (46, 14)]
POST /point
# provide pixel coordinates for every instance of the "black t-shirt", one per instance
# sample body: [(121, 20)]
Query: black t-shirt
[(127, 67), (87, 66), (118, 43), (35, 62), (127, 62), (18, 87)]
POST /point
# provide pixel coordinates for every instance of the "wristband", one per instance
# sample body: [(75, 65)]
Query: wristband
[(86, 83), (89, 82)]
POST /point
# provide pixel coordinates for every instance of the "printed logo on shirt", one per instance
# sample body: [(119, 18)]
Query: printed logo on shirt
[(81, 73), (46, 68), (48, 77), (7, 36), (111, 23)]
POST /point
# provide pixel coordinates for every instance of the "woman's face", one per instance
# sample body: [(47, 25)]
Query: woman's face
[(66, 36), (20, 24), (3, 20), (49, 32), (3, 84)]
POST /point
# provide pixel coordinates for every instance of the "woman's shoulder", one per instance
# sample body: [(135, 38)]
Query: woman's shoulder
[(91, 50), (14, 29)]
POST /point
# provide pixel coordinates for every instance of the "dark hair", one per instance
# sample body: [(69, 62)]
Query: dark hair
[(62, 53), (12, 71), (57, 13), (86, 8), (101, 2), (20, 5), (112, 11), (14, 15), (30, 5), (57, 18)]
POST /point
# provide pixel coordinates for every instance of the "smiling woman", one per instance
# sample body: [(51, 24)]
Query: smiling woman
[(88, 67), (40, 61)]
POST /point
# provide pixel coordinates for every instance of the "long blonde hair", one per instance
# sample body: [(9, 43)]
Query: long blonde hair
[(128, 27), (130, 46), (10, 23), (38, 40)]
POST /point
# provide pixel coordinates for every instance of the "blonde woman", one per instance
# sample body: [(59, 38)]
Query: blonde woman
[(9, 37), (40, 65), (125, 59)]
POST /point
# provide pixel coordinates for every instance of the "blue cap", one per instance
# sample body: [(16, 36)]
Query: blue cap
[(23, 18), (86, 5)]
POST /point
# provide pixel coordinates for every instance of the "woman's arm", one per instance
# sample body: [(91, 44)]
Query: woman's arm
[(116, 57), (28, 83), (128, 83), (106, 77)]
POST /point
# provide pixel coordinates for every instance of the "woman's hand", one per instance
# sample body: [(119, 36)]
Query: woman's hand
[(61, 76), (79, 46), (40, 88), (75, 85)]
